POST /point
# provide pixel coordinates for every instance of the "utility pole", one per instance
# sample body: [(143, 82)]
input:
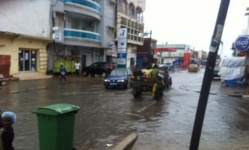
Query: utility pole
[(116, 18), (208, 75), (150, 49)]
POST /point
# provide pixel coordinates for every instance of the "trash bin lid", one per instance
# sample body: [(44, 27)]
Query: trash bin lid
[(56, 109)]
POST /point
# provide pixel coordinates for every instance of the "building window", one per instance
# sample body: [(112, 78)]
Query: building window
[(110, 5), (27, 60), (110, 31), (59, 20)]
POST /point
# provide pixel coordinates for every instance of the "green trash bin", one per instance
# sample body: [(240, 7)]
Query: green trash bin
[(56, 126)]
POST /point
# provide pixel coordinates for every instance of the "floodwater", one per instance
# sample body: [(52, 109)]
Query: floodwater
[(109, 115)]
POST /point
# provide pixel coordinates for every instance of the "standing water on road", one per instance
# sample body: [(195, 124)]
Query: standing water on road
[(109, 115)]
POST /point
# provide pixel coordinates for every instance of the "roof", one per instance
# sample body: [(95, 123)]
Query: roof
[(165, 50)]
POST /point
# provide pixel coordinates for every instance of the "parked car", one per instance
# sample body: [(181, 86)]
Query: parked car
[(169, 65), (119, 77), (193, 68), (161, 65), (216, 75), (98, 68)]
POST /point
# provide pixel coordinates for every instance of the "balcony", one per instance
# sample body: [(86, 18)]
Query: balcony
[(85, 7), (81, 38)]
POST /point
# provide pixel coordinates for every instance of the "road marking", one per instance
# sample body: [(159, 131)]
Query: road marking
[(146, 107)]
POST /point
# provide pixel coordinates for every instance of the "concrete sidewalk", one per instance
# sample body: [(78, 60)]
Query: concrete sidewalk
[(30, 76), (242, 92)]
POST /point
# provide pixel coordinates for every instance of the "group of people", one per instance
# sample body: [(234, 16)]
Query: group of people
[(154, 72), (7, 119), (148, 72)]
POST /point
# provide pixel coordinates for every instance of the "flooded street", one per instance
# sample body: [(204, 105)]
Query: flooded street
[(109, 115)]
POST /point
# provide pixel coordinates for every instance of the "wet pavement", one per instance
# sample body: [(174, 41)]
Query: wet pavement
[(108, 116)]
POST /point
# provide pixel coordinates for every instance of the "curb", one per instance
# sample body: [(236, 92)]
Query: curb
[(238, 95), (127, 143), (235, 95), (245, 96)]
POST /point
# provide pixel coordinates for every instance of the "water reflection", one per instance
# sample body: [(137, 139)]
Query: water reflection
[(146, 113)]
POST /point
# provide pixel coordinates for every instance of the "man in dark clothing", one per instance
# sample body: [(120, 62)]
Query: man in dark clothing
[(137, 71), (165, 73), (63, 73)]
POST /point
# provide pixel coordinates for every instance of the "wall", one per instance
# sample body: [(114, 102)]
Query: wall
[(107, 23), (10, 45), (27, 17)]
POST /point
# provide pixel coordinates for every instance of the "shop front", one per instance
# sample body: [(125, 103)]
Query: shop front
[(27, 60), (27, 55)]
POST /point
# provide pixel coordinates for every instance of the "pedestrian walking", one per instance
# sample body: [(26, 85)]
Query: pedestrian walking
[(63, 73), (77, 69), (7, 135)]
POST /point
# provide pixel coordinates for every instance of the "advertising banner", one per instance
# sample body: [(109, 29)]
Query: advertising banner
[(186, 60), (122, 48), (242, 43), (187, 49)]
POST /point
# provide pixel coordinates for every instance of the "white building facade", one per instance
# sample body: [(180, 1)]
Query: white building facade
[(44, 31), (130, 16), (85, 30)]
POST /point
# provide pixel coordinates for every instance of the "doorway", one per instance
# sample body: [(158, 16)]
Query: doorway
[(27, 60), (132, 62), (83, 61)]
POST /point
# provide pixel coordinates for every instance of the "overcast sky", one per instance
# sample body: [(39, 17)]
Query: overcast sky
[(192, 22)]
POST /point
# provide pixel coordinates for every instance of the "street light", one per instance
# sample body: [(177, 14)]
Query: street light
[(150, 49)]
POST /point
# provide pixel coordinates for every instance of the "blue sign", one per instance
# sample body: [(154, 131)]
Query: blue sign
[(242, 43), (121, 55)]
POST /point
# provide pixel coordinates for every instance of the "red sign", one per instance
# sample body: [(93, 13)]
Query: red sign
[(186, 60), (165, 50)]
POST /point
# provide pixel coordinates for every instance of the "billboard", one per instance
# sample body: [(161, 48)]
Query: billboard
[(122, 48)]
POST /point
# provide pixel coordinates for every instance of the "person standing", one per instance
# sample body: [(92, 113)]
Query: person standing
[(7, 135), (63, 73), (77, 69)]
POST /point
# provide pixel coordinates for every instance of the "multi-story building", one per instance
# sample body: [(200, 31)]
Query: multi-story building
[(46, 30), (130, 16), (85, 30)]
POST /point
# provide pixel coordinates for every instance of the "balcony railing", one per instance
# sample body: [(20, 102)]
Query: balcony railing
[(81, 34), (87, 3)]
